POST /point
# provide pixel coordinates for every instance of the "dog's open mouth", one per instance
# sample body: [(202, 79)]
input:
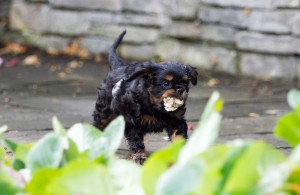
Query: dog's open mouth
[(171, 103)]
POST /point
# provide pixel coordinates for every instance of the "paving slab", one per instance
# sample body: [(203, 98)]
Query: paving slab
[(31, 95)]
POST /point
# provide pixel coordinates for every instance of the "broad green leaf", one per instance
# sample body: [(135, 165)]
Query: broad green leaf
[(247, 170), (237, 149), (84, 135), (180, 178), (111, 140), (71, 152), (41, 180), (288, 128), (57, 126), (293, 98), (3, 129), (22, 151), (18, 164), (206, 132), (4, 157), (274, 179), (158, 163), (126, 177), (213, 159), (46, 153), (20, 155), (82, 177), (10, 145), (114, 133), (2, 153), (7, 185)]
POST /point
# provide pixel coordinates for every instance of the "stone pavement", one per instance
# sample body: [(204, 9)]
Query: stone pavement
[(30, 96)]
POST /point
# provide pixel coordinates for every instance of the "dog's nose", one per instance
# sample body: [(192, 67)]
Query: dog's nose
[(179, 90)]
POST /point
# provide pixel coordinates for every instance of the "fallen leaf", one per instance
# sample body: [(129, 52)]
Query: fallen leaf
[(84, 54), (32, 60), (53, 68), (99, 58), (12, 47), (61, 75), (52, 51), (212, 83), (68, 70), (254, 115), (75, 64), (214, 61), (272, 112), (247, 11), (72, 49)]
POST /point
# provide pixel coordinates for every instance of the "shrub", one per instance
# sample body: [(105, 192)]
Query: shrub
[(82, 161)]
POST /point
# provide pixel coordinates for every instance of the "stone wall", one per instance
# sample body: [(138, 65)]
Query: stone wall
[(249, 37)]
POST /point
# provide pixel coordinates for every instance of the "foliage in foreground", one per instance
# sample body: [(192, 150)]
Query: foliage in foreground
[(82, 161)]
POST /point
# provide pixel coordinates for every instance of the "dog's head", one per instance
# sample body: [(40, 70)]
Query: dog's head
[(167, 83)]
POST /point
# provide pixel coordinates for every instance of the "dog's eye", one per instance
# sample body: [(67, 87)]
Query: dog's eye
[(166, 84)]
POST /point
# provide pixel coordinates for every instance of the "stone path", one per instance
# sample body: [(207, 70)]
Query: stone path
[(30, 96)]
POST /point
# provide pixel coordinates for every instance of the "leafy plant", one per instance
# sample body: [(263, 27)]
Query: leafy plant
[(82, 160), (78, 161)]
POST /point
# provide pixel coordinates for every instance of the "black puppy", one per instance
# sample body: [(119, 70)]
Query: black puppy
[(151, 97)]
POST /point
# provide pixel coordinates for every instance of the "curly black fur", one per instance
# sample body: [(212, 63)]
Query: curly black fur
[(136, 91)]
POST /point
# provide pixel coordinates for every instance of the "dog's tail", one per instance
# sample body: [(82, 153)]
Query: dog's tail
[(113, 58)]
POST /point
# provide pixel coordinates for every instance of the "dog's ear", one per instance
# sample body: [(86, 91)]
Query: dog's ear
[(140, 70), (192, 74)]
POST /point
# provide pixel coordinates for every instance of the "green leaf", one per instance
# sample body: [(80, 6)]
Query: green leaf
[(214, 158), (57, 126), (22, 151), (111, 140), (41, 180), (46, 153), (180, 178), (82, 177), (206, 131), (114, 133), (10, 145), (293, 98), (20, 155), (158, 163), (288, 128), (71, 152), (246, 171), (84, 135), (3, 156), (18, 164), (3, 129), (232, 156), (275, 179), (7, 185), (126, 177)]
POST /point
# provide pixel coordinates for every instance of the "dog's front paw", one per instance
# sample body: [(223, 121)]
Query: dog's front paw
[(139, 157)]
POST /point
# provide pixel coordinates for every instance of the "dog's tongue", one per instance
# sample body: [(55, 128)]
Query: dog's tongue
[(171, 104)]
